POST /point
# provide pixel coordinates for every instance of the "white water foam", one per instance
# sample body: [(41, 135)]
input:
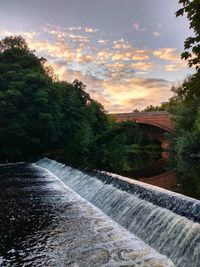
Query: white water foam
[(172, 235)]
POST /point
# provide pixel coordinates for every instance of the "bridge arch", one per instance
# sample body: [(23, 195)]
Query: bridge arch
[(160, 119), (156, 123)]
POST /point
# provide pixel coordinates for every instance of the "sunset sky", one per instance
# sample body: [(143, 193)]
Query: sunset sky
[(127, 52)]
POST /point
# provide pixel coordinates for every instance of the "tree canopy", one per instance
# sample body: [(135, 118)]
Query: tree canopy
[(192, 44), (39, 113), (185, 104)]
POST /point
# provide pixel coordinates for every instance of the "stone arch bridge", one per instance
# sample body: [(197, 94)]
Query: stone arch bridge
[(156, 123)]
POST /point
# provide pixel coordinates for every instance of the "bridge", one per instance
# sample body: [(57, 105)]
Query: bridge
[(156, 123)]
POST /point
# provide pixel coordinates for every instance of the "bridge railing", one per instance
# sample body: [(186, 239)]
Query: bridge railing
[(141, 114)]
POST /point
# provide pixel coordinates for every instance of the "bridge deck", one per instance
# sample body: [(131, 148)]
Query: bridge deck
[(159, 119)]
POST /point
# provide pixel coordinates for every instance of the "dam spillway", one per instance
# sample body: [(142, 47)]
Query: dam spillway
[(166, 221), (44, 223)]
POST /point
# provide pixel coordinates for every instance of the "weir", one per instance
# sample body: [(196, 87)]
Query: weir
[(44, 223), (165, 220)]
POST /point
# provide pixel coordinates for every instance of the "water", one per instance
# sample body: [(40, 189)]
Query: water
[(44, 223), (167, 221), (173, 175)]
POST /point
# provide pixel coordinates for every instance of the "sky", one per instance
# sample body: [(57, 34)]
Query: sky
[(126, 52)]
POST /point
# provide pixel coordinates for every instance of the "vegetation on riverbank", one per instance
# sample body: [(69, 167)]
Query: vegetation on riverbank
[(185, 104), (40, 114)]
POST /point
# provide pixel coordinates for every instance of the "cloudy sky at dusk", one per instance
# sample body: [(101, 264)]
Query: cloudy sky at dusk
[(127, 52)]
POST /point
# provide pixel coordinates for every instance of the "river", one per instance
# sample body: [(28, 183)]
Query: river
[(54, 215), (44, 223), (167, 221), (181, 175)]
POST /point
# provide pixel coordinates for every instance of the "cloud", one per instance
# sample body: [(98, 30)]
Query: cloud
[(175, 67), (146, 66), (121, 44), (156, 34), (120, 97), (167, 54), (121, 56), (115, 72), (79, 38), (140, 54), (103, 42), (130, 55), (137, 93), (136, 26), (83, 58), (75, 28), (26, 34), (56, 50), (91, 30), (66, 34), (173, 57), (104, 55)]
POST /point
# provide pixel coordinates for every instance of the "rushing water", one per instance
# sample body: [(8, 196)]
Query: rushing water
[(44, 223), (167, 221)]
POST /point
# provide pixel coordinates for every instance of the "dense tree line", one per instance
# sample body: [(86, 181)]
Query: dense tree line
[(41, 115), (185, 104)]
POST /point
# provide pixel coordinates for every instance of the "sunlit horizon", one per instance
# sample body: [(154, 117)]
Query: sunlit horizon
[(128, 53)]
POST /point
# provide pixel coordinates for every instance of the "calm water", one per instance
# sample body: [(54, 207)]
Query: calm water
[(180, 175)]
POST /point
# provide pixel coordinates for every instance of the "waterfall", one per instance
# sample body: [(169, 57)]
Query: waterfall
[(154, 215)]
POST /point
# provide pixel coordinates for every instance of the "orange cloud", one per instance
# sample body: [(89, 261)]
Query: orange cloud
[(121, 97), (83, 58), (146, 66), (58, 49), (167, 54), (121, 44), (114, 74), (175, 67), (91, 30)]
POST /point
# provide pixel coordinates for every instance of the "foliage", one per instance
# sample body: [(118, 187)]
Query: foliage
[(162, 107), (185, 104), (39, 113), (113, 147), (192, 47), (188, 186)]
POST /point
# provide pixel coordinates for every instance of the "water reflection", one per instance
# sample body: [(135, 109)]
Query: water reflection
[(181, 175), (188, 177), (165, 180)]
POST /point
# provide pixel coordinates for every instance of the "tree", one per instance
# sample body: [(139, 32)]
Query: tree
[(162, 107), (26, 120), (113, 147), (185, 104), (38, 112), (192, 44), (14, 42)]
